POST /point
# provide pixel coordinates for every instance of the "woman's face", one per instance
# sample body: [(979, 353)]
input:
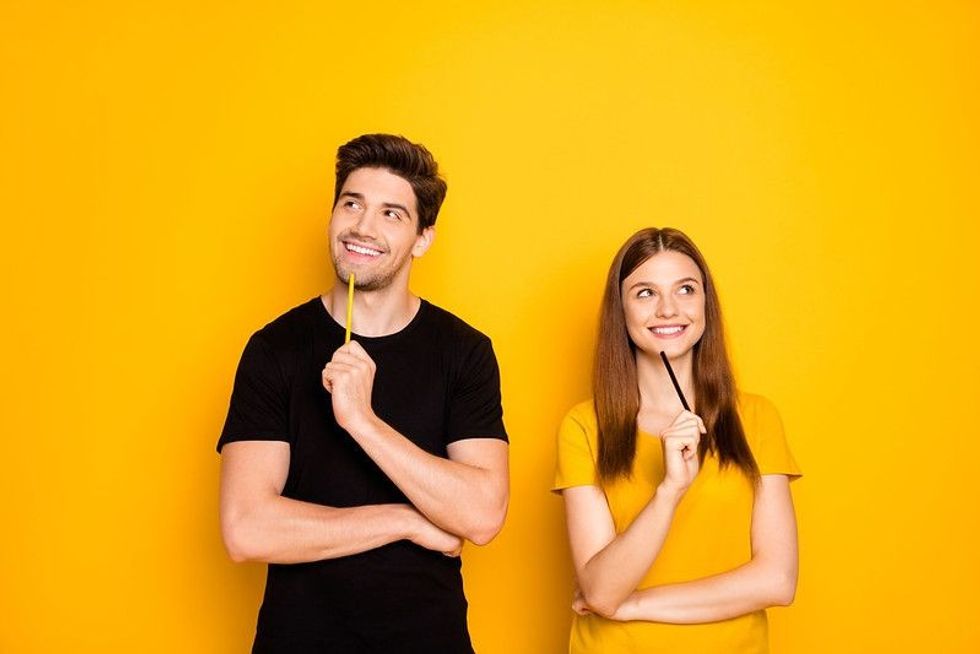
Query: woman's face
[(664, 304)]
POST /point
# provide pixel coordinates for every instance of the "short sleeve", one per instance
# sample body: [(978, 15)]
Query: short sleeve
[(259, 408), (768, 440), (575, 466), (474, 409)]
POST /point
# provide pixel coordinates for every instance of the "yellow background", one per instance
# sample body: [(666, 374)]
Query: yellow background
[(166, 179)]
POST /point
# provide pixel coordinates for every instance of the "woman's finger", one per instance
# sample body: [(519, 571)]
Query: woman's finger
[(684, 436), (682, 443)]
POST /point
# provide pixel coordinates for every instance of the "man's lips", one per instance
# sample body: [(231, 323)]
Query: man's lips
[(667, 331), (361, 250)]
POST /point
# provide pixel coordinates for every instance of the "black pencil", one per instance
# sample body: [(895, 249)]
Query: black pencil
[(677, 387)]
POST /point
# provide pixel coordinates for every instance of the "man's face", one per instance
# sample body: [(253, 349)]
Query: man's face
[(374, 229)]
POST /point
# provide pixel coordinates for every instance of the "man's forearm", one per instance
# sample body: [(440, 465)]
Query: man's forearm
[(463, 499), (283, 530)]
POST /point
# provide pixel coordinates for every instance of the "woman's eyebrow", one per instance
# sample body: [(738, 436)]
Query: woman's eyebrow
[(684, 280)]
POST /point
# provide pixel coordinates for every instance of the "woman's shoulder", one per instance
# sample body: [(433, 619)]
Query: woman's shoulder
[(760, 418), (766, 436), (583, 414), (755, 411), (577, 446), (751, 405), (580, 424)]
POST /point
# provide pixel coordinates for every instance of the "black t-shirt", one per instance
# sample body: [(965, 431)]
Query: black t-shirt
[(436, 382)]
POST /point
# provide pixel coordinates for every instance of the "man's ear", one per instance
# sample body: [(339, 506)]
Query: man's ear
[(423, 241)]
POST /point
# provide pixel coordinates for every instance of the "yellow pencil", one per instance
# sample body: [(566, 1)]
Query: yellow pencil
[(350, 307)]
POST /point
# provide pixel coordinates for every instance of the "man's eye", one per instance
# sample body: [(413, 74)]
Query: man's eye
[(393, 214), (350, 204)]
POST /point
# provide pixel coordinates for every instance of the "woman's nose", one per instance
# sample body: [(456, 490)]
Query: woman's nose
[(666, 307)]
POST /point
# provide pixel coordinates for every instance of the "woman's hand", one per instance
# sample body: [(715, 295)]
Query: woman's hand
[(579, 605), (680, 442), (624, 613)]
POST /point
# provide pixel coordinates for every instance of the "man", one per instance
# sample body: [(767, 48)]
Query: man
[(356, 471)]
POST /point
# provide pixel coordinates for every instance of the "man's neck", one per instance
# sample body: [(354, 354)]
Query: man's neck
[(376, 313)]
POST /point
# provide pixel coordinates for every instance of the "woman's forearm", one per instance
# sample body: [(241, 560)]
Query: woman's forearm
[(614, 572), (768, 579), (748, 588)]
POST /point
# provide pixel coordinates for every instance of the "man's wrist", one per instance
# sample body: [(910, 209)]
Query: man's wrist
[(364, 426), (406, 519)]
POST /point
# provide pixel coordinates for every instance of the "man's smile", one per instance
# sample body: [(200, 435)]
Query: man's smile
[(363, 250)]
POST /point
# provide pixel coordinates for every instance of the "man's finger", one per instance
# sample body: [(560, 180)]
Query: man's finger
[(354, 348)]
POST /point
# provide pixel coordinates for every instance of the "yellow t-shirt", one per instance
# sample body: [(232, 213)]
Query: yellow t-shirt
[(710, 532)]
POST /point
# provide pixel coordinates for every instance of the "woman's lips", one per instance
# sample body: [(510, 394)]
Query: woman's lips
[(667, 331)]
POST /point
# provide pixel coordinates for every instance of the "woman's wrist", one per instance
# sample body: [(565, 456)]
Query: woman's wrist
[(627, 610), (670, 492)]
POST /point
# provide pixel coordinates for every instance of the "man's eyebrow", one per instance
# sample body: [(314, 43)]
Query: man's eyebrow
[(392, 205), (386, 205)]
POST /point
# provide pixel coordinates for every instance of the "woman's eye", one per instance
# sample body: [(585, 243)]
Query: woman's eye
[(644, 292), (686, 289)]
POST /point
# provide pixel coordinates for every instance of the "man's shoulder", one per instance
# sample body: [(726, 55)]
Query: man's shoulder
[(287, 329), (452, 326)]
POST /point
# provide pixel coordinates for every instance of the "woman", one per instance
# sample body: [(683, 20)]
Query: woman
[(681, 523)]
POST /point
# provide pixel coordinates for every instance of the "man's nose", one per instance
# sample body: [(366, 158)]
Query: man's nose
[(366, 224)]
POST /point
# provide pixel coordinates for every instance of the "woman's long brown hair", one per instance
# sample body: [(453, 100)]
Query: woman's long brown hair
[(615, 387)]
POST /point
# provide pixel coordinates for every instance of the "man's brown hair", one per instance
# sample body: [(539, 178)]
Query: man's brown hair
[(396, 154)]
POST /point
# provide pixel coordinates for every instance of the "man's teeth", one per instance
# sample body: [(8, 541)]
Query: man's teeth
[(667, 331), (361, 250)]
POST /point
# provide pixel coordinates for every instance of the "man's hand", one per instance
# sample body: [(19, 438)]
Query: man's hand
[(349, 378), (426, 534)]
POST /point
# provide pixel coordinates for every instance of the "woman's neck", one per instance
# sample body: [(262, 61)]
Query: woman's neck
[(657, 394)]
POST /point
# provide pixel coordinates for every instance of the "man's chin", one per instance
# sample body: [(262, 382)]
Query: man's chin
[(366, 280), (373, 284), (366, 284), (343, 274)]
